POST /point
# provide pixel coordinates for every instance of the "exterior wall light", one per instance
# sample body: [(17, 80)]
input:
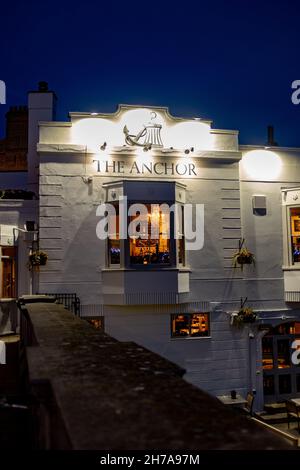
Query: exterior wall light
[(103, 146), (262, 165), (187, 151)]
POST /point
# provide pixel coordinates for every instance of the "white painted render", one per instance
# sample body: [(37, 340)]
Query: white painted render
[(137, 304)]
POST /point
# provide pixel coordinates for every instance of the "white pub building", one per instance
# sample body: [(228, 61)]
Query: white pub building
[(227, 312)]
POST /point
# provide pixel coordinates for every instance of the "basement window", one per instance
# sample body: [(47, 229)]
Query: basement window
[(190, 325)]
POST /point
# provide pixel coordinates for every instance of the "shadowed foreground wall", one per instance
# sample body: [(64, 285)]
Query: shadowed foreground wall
[(93, 392)]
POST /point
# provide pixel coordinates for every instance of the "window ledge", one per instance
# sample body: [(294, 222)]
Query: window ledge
[(291, 268), (191, 339), (144, 269)]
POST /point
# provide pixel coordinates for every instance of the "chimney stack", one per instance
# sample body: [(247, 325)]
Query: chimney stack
[(41, 107), (271, 142)]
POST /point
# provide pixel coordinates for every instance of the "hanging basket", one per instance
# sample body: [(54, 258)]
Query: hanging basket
[(244, 315), (37, 259), (243, 256)]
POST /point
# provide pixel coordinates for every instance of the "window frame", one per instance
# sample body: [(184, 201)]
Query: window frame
[(190, 315), (291, 261), (120, 188), (290, 200), (172, 247)]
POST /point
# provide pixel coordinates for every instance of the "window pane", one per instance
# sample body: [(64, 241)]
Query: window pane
[(267, 353), (114, 251), (181, 251), (283, 360), (199, 325), (180, 325), (190, 325), (285, 384), (154, 246), (180, 235), (295, 234), (114, 240), (269, 388)]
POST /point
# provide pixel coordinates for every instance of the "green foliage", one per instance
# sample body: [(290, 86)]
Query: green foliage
[(38, 258), (244, 315), (243, 256)]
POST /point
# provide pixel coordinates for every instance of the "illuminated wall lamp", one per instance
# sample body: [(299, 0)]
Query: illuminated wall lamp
[(187, 151)]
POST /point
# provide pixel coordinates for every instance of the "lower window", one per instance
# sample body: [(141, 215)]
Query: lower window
[(190, 325), (97, 322)]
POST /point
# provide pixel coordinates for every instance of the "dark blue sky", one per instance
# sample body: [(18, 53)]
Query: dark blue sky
[(230, 61)]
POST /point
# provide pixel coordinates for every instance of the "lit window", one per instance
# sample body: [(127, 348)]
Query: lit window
[(154, 237), (153, 244), (114, 239), (180, 241), (97, 322), (190, 325), (295, 234)]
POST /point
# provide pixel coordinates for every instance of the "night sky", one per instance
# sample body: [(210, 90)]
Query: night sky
[(230, 61)]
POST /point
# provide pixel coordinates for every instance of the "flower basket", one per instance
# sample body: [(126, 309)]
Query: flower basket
[(244, 315), (243, 256), (38, 258)]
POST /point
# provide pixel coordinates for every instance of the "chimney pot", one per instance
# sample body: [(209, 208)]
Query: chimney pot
[(271, 141), (43, 86)]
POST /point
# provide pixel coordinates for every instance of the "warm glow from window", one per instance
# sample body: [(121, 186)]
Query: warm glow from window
[(262, 165), (153, 245), (295, 234), (190, 325), (114, 252)]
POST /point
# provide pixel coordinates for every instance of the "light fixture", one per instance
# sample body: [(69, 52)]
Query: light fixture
[(103, 146), (262, 164), (94, 114), (187, 151), (87, 179), (147, 147)]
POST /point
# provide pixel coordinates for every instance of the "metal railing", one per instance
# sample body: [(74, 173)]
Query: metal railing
[(70, 301)]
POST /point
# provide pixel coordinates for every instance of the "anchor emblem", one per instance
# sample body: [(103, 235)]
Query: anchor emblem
[(148, 137)]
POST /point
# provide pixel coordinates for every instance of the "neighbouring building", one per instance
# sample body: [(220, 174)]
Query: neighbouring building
[(13, 148), (176, 300)]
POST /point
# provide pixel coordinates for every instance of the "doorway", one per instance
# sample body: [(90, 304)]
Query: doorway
[(281, 378), (8, 272)]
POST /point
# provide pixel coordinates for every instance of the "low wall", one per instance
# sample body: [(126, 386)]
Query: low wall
[(93, 392)]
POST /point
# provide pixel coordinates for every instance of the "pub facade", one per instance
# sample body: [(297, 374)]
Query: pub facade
[(223, 303)]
